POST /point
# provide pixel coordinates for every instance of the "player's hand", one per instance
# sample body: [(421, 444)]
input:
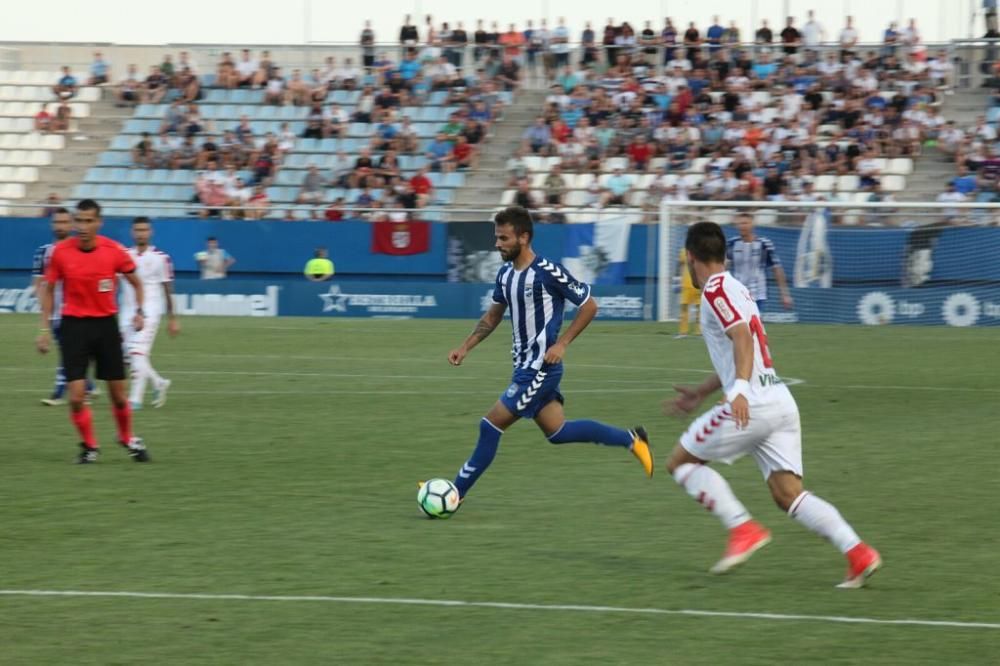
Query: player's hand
[(42, 342), (741, 411), (457, 355), (137, 322), (173, 327), (555, 354), (684, 403), (787, 301)]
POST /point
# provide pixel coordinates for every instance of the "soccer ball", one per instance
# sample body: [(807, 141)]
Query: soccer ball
[(438, 498)]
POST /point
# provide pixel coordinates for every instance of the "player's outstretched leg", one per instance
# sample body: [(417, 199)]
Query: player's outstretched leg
[(585, 431), (823, 518), (708, 488), (552, 421), (482, 456)]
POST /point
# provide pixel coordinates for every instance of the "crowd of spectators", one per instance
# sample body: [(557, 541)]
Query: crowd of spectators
[(759, 121), (236, 165)]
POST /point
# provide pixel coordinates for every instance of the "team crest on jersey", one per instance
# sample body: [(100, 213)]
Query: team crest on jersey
[(577, 288), (512, 390)]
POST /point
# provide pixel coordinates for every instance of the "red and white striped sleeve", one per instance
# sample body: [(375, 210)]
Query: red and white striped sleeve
[(720, 296)]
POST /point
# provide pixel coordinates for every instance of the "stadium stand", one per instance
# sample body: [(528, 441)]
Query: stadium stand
[(24, 144), (735, 123)]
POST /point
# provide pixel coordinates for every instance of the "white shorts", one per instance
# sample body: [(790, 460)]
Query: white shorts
[(139, 342), (773, 437)]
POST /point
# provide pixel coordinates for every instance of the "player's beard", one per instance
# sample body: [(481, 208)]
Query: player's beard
[(512, 254)]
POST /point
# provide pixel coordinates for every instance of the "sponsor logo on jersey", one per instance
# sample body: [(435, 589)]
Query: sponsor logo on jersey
[(722, 307)]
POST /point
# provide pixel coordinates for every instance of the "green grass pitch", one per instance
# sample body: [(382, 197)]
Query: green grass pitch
[(286, 460)]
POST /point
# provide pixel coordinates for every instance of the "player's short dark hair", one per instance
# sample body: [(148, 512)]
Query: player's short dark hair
[(141, 219), (60, 210), (211, 238), (706, 242), (517, 217), (89, 204)]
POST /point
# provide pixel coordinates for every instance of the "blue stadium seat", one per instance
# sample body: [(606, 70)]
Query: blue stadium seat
[(113, 159), (328, 145), (993, 114), (436, 178), (104, 192), (360, 129), (228, 112), (159, 176), (444, 197), (147, 193), (207, 80), (122, 142), (419, 161), (309, 145), (136, 177), (351, 145), (268, 112), (437, 97), (287, 177), (425, 130), (181, 177), (453, 179), (297, 127), (145, 111), (215, 97), (94, 175)]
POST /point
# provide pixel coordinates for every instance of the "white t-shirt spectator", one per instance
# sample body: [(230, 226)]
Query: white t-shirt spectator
[(848, 38), (560, 32), (940, 68), (812, 33), (246, 68), (683, 63), (674, 83)]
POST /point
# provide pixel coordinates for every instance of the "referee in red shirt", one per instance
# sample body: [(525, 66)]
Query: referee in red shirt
[(88, 265)]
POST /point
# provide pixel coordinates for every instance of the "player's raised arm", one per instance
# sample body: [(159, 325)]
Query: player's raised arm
[(486, 325)]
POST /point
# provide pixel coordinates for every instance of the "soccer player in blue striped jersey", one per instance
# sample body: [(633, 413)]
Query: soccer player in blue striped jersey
[(61, 223), (749, 256), (536, 290)]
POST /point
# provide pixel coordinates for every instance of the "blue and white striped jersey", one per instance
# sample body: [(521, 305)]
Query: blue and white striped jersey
[(748, 263), (536, 298), (38, 265)]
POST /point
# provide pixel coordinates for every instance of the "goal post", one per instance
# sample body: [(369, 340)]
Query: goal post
[(849, 262)]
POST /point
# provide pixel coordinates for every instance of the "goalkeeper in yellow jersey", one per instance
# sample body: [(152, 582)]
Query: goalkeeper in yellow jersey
[(690, 299)]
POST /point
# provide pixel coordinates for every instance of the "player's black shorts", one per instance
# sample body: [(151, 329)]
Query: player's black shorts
[(84, 338)]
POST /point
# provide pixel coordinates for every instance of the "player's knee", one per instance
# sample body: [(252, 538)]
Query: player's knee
[(784, 496), (677, 459)]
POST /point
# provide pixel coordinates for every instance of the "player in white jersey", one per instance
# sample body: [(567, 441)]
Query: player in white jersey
[(156, 271), (758, 417)]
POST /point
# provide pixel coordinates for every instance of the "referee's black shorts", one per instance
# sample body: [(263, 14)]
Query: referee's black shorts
[(84, 338)]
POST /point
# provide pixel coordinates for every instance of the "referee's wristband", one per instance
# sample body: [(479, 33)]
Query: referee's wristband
[(139, 312), (740, 387)]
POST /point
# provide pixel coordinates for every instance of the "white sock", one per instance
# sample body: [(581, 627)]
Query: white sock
[(823, 518), (709, 489), (152, 374), (140, 372)]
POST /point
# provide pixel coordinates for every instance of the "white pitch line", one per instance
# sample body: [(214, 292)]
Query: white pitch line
[(198, 596)]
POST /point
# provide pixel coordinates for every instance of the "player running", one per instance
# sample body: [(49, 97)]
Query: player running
[(87, 265), (536, 291), (758, 417), (62, 221), (155, 270)]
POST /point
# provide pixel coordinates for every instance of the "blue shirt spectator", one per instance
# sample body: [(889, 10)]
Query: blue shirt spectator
[(964, 183), (762, 70), (409, 68), (571, 116), (714, 35), (538, 135)]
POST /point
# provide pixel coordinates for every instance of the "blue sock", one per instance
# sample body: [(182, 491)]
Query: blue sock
[(482, 456), (60, 388), (590, 431)]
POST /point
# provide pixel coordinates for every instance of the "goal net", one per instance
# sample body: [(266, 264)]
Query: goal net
[(848, 263)]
